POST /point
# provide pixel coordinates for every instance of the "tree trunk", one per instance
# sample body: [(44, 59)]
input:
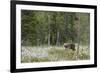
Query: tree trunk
[(38, 42), (78, 37), (49, 31), (66, 22), (58, 42), (49, 38)]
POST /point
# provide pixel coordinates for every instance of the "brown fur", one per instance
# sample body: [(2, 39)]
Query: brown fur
[(69, 46)]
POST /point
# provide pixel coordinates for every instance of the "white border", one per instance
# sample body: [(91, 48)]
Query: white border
[(20, 65)]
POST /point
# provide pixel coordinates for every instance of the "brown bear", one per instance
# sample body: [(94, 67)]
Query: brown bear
[(69, 46)]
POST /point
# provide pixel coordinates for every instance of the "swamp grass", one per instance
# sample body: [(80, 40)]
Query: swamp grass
[(53, 54)]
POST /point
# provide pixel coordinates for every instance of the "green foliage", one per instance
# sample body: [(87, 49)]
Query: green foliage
[(37, 25)]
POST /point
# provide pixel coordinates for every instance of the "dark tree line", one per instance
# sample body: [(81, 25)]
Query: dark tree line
[(54, 28)]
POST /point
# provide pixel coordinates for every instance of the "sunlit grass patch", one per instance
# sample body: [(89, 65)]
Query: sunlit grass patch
[(39, 59), (52, 54), (34, 59), (61, 54)]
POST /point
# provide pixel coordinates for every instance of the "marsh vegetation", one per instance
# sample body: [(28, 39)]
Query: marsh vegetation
[(34, 54)]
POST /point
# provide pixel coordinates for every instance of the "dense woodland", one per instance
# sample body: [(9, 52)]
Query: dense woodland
[(51, 28)]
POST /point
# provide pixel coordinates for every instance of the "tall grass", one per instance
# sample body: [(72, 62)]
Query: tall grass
[(52, 54)]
